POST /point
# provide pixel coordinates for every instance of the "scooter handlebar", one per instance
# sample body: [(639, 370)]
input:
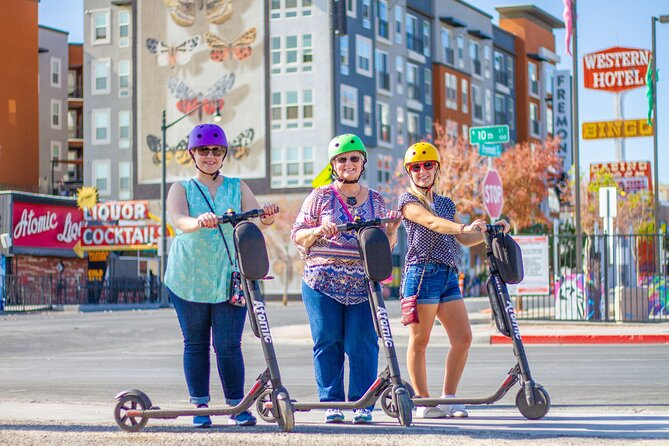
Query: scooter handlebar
[(494, 229), (233, 218), (353, 225)]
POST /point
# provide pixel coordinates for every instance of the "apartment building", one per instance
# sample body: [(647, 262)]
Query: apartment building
[(504, 63), (74, 178)]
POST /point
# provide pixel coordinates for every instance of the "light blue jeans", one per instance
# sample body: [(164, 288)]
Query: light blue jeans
[(440, 283)]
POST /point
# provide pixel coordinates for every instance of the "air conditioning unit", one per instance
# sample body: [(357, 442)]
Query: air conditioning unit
[(6, 240)]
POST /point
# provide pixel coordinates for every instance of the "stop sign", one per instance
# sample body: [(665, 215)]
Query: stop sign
[(493, 197)]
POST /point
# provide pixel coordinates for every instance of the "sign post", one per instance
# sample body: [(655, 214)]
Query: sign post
[(493, 195)]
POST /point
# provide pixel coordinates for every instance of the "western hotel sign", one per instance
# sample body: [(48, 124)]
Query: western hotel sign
[(616, 69)]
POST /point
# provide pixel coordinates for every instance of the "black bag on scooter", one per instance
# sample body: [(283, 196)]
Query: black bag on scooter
[(508, 258)]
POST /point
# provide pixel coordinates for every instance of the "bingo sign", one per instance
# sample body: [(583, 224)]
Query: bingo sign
[(616, 69), (39, 227), (493, 196)]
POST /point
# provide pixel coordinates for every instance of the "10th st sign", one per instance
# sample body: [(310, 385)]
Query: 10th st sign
[(493, 134)]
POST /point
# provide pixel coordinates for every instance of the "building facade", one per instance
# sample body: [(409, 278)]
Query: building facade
[(74, 178), (504, 69)]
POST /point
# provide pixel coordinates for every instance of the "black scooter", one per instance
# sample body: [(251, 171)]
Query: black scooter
[(532, 399), (388, 386), (134, 408)]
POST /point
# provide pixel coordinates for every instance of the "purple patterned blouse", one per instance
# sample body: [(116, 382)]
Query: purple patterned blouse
[(333, 265)]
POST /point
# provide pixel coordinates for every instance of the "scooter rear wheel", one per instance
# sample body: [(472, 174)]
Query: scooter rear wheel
[(285, 416), (130, 402), (542, 403), (264, 406)]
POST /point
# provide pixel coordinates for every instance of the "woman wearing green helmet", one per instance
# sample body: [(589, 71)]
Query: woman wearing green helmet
[(333, 286)]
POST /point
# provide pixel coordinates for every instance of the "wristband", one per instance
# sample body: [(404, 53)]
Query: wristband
[(462, 228)]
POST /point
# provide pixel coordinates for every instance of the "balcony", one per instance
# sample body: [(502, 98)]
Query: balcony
[(502, 77), (535, 127), (478, 112), (412, 138), (384, 132), (414, 43), (413, 92), (500, 118), (477, 66), (382, 29), (383, 81), (449, 56)]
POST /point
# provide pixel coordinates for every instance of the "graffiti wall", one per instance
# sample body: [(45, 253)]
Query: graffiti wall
[(204, 55)]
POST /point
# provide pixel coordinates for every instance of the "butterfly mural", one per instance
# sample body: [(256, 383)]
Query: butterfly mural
[(178, 153), (210, 100), (239, 147), (183, 12), (239, 48), (171, 55)]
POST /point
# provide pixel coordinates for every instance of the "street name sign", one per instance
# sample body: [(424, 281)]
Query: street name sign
[(493, 134), (490, 149)]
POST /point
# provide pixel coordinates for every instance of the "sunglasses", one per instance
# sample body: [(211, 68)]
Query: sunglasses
[(429, 165), (342, 159), (204, 151)]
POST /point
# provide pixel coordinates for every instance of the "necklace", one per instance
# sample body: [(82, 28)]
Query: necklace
[(351, 201)]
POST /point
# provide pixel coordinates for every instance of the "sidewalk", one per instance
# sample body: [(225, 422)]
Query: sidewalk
[(485, 332)]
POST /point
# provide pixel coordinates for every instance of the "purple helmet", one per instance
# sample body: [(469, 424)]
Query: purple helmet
[(207, 135)]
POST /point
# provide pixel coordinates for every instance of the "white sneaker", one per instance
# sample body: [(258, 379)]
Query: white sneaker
[(429, 412), (454, 411), (334, 416)]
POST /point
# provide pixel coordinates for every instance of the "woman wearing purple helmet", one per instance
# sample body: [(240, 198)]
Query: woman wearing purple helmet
[(198, 270)]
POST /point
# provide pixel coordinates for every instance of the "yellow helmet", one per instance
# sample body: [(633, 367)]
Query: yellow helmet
[(421, 152)]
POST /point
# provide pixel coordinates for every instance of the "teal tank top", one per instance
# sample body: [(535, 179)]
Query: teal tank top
[(198, 269)]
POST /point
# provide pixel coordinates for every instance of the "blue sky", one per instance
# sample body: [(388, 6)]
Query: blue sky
[(602, 24)]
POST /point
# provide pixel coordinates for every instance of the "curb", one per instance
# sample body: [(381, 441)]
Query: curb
[(586, 339)]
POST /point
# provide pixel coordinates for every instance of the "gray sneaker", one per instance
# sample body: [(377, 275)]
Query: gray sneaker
[(430, 412), (454, 411)]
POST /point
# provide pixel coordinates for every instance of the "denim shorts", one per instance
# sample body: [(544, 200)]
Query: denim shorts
[(440, 283)]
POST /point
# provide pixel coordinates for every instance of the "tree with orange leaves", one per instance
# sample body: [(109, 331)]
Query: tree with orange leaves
[(527, 170)]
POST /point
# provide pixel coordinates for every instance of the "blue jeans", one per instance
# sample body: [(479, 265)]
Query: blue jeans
[(226, 322), (440, 283), (339, 329)]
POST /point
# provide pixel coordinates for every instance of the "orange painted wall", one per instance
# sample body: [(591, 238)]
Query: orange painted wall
[(19, 101)]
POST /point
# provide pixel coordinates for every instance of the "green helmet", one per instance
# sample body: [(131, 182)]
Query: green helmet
[(345, 143)]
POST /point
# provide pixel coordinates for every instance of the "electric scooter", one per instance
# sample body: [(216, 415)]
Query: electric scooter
[(134, 408), (388, 386), (532, 399)]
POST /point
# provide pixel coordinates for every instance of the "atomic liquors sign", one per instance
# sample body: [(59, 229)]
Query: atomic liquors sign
[(616, 69)]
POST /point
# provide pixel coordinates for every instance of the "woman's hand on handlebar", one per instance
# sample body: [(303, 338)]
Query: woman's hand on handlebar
[(269, 210), (207, 220), (391, 227), (326, 229), (505, 225), (475, 226)]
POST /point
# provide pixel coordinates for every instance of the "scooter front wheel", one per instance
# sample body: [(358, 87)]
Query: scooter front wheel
[(388, 402), (542, 403), (285, 416), (130, 403), (404, 407), (264, 407)]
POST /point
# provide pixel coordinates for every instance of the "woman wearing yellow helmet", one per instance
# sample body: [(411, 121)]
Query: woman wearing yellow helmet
[(333, 287), (431, 274)]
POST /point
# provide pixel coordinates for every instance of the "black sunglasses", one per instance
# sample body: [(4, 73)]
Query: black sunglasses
[(343, 159)]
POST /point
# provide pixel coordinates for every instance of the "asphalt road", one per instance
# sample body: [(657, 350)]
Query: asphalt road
[(59, 373)]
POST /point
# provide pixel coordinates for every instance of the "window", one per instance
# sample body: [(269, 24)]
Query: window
[(488, 106), (56, 147), (383, 122), (426, 38), (123, 129), (363, 47), (275, 9), (56, 109), (447, 47), (451, 91), (307, 108), (500, 109), (428, 86), (464, 84), (399, 70), (343, 55), (414, 40), (306, 7), (291, 54), (399, 16), (275, 55), (461, 51), (400, 126), (351, 7), (474, 56), (366, 13), (383, 170), (511, 113), (465, 132), (413, 90), (100, 27), (367, 114), (486, 62), (477, 103), (124, 180), (382, 19), (123, 28), (292, 110), (428, 127), (55, 72), (292, 166), (101, 126), (307, 53), (123, 78), (413, 128), (549, 121), (72, 90), (534, 119), (533, 78), (101, 176), (349, 105), (101, 69), (290, 8), (549, 74), (509, 70), (382, 71), (73, 132), (276, 111), (499, 68)]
